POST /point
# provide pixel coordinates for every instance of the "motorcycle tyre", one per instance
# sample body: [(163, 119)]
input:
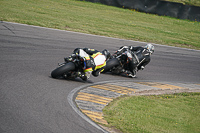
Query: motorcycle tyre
[(110, 64), (58, 72)]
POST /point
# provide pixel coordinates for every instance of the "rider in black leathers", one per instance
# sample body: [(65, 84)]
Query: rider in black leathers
[(138, 58)]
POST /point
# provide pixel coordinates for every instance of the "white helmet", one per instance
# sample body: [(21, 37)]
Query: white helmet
[(150, 48)]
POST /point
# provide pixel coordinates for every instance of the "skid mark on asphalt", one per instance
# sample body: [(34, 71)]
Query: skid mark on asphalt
[(93, 99)]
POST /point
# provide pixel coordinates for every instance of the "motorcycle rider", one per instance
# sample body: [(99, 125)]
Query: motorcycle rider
[(94, 61), (138, 57)]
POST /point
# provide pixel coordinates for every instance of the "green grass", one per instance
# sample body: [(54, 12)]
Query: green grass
[(98, 19), (179, 113)]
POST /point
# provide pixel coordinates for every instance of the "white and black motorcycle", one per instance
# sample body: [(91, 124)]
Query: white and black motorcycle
[(118, 64)]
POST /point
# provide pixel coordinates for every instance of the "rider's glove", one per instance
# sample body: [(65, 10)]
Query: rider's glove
[(116, 54), (68, 59)]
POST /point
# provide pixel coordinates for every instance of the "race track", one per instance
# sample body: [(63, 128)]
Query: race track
[(32, 102)]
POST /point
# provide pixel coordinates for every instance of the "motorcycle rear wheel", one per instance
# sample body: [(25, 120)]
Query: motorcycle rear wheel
[(60, 71), (110, 64)]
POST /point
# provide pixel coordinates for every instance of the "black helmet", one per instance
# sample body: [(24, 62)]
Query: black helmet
[(106, 53), (76, 50)]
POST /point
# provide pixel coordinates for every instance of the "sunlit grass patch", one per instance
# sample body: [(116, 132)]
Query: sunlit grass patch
[(159, 113), (94, 18)]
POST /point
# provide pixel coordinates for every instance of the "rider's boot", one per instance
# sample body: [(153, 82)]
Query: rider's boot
[(85, 75), (97, 72), (82, 75), (131, 74)]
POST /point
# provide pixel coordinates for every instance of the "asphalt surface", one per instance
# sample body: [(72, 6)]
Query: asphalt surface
[(31, 101)]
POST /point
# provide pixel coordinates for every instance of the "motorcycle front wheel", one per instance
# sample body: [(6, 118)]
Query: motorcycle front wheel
[(60, 71), (110, 64)]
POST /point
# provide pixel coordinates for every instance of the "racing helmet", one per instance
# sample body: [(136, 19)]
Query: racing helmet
[(106, 53), (76, 51), (150, 48)]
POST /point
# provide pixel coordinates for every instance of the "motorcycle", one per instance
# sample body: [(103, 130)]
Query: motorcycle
[(118, 64), (70, 69)]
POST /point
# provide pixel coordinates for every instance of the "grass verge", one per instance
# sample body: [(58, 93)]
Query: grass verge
[(103, 20), (177, 113)]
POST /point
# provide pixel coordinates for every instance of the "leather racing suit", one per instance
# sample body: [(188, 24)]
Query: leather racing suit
[(138, 58)]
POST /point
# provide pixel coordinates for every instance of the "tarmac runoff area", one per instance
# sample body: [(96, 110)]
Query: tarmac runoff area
[(92, 99)]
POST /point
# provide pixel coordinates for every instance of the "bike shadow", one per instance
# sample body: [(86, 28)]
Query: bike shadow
[(121, 74), (73, 80)]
